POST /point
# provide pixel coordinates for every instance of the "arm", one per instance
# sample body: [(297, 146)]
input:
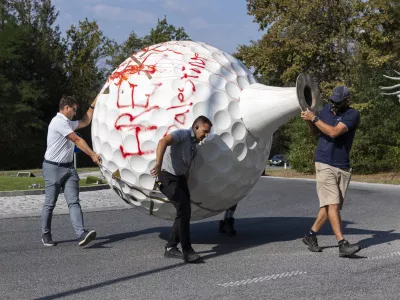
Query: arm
[(81, 144), (329, 130), (161, 147), (313, 130), (87, 118)]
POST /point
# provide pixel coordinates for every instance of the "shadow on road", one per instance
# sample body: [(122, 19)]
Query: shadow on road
[(252, 232)]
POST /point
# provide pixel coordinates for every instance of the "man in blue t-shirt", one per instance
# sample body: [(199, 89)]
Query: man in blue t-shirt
[(336, 126)]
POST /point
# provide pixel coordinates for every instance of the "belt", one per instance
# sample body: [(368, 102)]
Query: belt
[(58, 164)]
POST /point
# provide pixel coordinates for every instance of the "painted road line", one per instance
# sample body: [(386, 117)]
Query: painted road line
[(260, 279), (389, 255)]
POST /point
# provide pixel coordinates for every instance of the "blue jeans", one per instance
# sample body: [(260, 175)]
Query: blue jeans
[(57, 178)]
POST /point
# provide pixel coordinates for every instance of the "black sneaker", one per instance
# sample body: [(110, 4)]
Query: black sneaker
[(312, 243), (191, 256), (346, 249), (47, 240), (173, 252), (87, 237), (226, 226)]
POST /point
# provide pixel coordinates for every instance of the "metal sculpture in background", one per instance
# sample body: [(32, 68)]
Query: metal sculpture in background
[(393, 87)]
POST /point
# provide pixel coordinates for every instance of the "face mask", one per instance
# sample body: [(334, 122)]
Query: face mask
[(338, 107)]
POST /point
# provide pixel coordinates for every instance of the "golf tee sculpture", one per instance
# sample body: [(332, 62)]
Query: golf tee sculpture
[(165, 87)]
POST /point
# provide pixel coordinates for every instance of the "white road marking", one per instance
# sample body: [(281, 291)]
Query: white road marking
[(384, 256), (260, 279)]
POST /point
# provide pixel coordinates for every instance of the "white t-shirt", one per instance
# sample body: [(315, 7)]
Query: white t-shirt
[(59, 148)]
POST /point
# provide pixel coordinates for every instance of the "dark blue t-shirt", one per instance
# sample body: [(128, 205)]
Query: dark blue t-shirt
[(335, 152)]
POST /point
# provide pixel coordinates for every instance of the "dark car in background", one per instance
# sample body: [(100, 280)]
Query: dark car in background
[(278, 160)]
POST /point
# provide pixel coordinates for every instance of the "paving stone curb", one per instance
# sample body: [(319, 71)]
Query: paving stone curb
[(59, 213), (352, 183), (41, 192), (106, 186)]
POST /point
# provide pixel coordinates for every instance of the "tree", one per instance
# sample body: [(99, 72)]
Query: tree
[(163, 32), (118, 53), (349, 42), (327, 39), (85, 48), (31, 59), (5, 13)]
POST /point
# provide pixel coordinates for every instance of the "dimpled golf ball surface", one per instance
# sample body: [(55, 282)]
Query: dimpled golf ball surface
[(163, 88)]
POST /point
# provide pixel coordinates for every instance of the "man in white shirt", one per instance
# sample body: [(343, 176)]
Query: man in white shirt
[(58, 168)]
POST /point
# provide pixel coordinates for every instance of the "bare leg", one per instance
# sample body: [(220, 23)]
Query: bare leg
[(335, 220), (321, 219)]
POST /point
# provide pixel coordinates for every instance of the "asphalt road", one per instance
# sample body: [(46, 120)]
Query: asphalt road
[(266, 260)]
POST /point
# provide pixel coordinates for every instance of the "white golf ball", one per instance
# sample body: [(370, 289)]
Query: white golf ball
[(164, 88)]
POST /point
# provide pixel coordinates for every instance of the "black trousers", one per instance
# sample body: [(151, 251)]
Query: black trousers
[(175, 188), (232, 208)]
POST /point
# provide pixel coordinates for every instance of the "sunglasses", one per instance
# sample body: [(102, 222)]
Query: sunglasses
[(337, 103)]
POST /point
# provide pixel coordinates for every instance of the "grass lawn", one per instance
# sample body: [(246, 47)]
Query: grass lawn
[(8, 183), (21, 183), (386, 178), (39, 171)]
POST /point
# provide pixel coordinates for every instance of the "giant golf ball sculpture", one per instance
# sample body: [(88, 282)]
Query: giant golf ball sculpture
[(165, 87)]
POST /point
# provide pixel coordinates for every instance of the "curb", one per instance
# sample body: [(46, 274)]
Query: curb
[(352, 183), (41, 192), (85, 210), (106, 186)]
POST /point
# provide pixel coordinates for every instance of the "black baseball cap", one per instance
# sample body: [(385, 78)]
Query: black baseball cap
[(340, 93)]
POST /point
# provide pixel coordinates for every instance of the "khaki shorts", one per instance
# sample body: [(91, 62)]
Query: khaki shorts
[(332, 184)]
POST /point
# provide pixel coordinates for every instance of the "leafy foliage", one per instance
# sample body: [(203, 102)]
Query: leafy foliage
[(37, 67), (352, 42), (163, 32), (31, 69), (84, 50)]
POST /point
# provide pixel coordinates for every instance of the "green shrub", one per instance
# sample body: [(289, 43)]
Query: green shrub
[(302, 147), (93, 180)]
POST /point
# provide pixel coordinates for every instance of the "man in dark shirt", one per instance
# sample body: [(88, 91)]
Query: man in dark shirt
[(175, 153), (336, 126)]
